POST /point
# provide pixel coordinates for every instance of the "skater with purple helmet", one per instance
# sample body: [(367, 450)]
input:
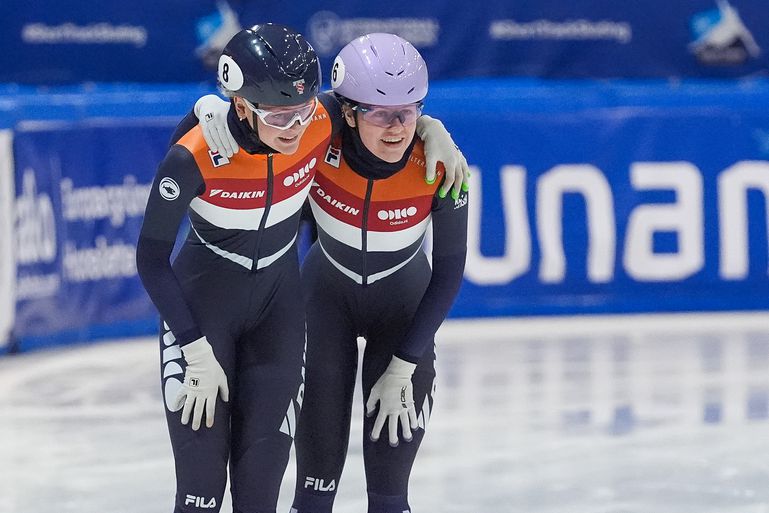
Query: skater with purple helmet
[(368, 276), (376, 190)]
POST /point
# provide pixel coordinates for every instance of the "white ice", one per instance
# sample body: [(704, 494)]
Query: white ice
[(626, 414)]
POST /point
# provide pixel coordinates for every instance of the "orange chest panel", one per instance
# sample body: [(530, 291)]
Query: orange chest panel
[(393, 203), (241, 181)]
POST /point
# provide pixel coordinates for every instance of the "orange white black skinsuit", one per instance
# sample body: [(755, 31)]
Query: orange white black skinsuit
[(367, 275), (235, 281)]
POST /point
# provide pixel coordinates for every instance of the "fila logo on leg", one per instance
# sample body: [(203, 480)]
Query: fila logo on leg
[(320, 484), (200, 502)]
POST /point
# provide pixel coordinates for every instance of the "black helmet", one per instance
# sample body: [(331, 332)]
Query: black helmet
[(270, 64)]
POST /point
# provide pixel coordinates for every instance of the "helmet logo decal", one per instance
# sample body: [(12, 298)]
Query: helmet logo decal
[(337, 72), (230, 74), (299, 84)]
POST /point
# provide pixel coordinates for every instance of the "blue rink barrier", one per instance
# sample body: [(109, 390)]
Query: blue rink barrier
[(585, 198)]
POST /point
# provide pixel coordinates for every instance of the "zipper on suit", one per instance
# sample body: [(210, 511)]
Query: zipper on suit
[(364, 230), (263, 222)]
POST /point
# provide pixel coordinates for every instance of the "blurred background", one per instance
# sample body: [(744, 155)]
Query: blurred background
[(620, 159)]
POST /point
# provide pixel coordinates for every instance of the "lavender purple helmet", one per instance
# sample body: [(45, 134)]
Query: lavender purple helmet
[(380, 69)]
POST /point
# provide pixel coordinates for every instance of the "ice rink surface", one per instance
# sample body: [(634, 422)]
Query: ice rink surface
[(624, 414)]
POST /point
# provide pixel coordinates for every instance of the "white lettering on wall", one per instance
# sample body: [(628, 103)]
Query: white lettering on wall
[(517, 258), (35, 224), (589, 181), (733, 185), (684, 217)]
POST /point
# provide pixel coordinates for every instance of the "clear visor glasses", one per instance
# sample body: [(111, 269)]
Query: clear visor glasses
[(284, 118), (385, 117)]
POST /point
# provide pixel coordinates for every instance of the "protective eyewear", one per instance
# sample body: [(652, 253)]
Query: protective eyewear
[(284, 118), (384, 117)]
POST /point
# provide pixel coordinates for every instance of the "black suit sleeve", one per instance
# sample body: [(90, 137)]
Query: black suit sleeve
[(449, 252), (177, 182)]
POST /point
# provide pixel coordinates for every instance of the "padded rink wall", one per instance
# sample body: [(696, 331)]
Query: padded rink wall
[(7, 257), (586, 197)]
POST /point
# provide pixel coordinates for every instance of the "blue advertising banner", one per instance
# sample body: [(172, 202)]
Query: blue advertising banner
[(551, 38), (81, 190), (606, 198), (585, 198), (57, 42)]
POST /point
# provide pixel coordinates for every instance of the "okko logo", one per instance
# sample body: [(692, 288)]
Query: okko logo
[(300, 176), (35, 224), (200, 502), (168, 188), (721, 38), (320, 484), (397, 216)]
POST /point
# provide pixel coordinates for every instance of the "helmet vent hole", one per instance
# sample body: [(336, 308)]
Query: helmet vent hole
[(289, 96), (269, 48), (381, 92), (374, 50), (388, 73), (401, 72), (410, 90)]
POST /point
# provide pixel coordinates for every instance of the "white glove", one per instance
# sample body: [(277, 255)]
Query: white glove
[(203, 378), (395, 395), (440, 147), (212, 117)]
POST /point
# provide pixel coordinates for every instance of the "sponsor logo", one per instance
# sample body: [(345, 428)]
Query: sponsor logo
[(217, 159), (721, 38), (214, 31), (610, 251), (168, 188), (460, 202), (93, 34), (320, 484), (35, 223), (236, 194), (400, 213), (104, 260), (333, 156), (300, 176), (419, 162), (328, 32), (569, 30), (116, 202), (320, 193), (299, 85), (200, 502)]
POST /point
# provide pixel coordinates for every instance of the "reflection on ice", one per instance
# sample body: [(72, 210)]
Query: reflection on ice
[(622, 414)]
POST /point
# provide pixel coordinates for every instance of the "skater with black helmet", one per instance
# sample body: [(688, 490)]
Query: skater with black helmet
[(233, 326)]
